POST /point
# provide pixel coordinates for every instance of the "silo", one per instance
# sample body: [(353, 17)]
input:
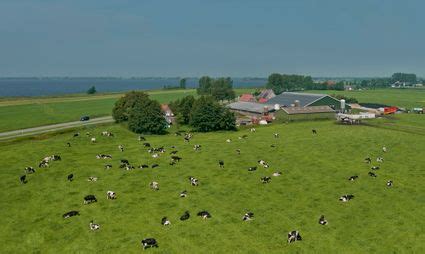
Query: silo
[(342, 105)]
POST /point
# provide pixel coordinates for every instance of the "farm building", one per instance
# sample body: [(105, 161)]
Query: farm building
[(250, 108), (168, 114), (266, 95), (247, 97), (289, 99), (305, 113)]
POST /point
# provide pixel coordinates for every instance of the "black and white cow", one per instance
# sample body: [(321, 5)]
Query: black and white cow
[(111, 195), (43, 164), (154, 186), (89, 199), (368, 160), (294, 236), (141, 138), (314, 131), (252, 168), (384, 149), (322, 220), (353, 178), (68, 144), (149, 243), (154, 166), (380, 159), (238, 151), (185, 216), (204, 215), (70, 177), (252, 130), (375, 167), (276, 135), (263, 163), (121, 148), (93, 226), (372, 174), (277, 173), (29, 170), (108, 166), (175, 158), (193, 181), (70, 214), (248, 216), (143, 166), (197, 147), (76, 134), (146, 145), (104, 156), (346, 198), (221, 163), (183, 194), (174, 152), (165, 221), (265, 179), (92, 179), (23, 179), (389, 183)]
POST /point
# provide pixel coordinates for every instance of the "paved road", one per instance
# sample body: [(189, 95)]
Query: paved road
[(53, 127)]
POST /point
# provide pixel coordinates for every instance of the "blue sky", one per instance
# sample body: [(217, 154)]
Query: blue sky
[(218, 38)]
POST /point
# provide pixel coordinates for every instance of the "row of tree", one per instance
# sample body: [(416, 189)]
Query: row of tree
[(203, 114), (220, 88), (144, 115)]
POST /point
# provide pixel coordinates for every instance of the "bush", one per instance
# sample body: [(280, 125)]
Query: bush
[(92, 90)]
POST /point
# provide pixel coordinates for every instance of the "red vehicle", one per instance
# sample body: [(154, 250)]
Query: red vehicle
[(390, 110)]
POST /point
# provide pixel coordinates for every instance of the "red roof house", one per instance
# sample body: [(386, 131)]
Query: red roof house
[(247, 97), (262, 100)]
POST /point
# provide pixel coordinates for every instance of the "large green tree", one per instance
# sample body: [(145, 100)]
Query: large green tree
[(182, 108), (204, 87), (147, 117), (183, 83), (222, 89), (125, 104)]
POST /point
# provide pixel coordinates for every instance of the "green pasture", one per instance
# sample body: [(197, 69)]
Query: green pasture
[(315, 169)]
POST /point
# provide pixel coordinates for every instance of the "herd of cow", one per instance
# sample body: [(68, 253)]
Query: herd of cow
[(125, 164)]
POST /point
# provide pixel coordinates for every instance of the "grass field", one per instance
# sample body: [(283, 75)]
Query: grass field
[(408, 98), (315, 171)]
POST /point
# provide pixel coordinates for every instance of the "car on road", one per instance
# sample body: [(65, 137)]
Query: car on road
[(84, 118)]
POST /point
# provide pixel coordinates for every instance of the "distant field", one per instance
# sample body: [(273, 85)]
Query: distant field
[(407, 98), (20, 113), (314, 170)]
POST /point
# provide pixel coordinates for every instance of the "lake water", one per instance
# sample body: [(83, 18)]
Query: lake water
[(51, 86)]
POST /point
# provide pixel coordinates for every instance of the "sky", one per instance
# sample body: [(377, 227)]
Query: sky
[(188, 38)]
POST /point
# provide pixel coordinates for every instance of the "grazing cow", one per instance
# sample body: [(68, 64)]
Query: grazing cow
[(353, 178), (23, 179), (93, 140), (185, 216), (375, 167), (221, 163), (143, 166), (368, 160), (346, 198), (89, 199), (228, 140), (55, 158), (107, 133), (204, 214), (277, 173), (68, 144), (263, 163), (76, 134), (173, 152), (252, 130), (93, 226), (154, 186), (70, 214), (380, 159), (108, 166), (70, 177), (154, 166), (322, 220), (183, 194), (196, 147), (252, 168), (265, 179), (372, 174), (88, 134), (129, 167), (384, 149), (103, 156), (92, 179), (155, 155), (43, 164), (187, 137), (165, 221), (141, 138), (276, 135), (389, 183), (176, 158), (29, 170), (273, 145), (146, 145), (111, 195), (193, 181), (149, 243), (238, 151), (121, 148), (294, 236), (177, 133), (124, 161), (248, 216), (313, 131)]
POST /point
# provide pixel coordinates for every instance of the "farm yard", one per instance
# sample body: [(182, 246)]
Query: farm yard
[(315, 171)]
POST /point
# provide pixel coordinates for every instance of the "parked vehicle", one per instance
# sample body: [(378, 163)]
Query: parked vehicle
[(84, 118)]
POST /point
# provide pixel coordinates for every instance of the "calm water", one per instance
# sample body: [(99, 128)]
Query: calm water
[(42, 87)]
